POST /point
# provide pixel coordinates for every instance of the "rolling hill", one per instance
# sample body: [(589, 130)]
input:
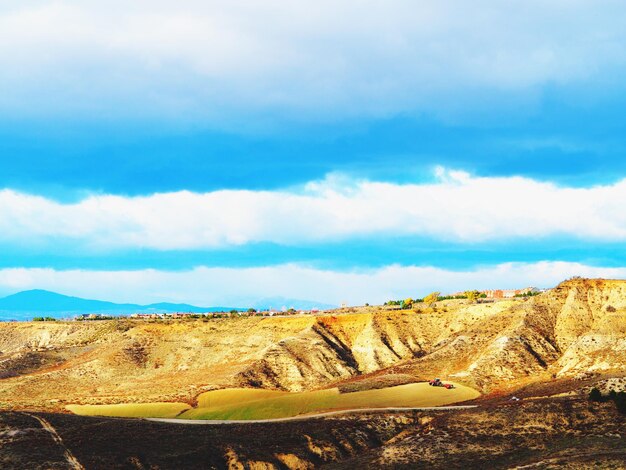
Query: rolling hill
[(577, 329)]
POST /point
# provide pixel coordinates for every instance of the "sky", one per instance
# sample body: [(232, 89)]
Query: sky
[(218, 153)]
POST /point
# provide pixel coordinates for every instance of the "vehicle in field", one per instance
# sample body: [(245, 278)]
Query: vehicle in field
[(439, 383)]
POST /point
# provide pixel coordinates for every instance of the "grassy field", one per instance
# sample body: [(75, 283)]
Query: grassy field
[(230, 396), (263, 404), (376, 382), (131, 410), (248, 403)]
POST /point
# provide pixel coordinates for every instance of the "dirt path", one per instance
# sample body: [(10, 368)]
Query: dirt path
[(308, 416), (71, 459)]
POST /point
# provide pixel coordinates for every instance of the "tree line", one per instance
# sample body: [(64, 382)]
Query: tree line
[(471, 295)]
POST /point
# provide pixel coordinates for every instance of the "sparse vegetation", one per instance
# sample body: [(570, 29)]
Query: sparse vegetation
[(595, 395), (472, 295), (527, 294), (432, 298)]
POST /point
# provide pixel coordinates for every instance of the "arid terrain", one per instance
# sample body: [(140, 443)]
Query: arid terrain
[(548, 350)]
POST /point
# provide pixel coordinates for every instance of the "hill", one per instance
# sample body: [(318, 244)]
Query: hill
[(575, 330)]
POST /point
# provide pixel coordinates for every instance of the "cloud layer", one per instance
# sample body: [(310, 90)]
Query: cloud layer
[(349, 58), (243, 286), (456, 207)]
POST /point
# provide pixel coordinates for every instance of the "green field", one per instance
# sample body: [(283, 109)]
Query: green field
[(230, 396), (131, 410), (264, 404), (247, 403)]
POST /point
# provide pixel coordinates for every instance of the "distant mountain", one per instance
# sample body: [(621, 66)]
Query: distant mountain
[(24, 305), (27, 304), (169, 307)]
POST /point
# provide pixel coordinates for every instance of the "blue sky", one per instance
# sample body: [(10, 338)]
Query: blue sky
[(351, 152)]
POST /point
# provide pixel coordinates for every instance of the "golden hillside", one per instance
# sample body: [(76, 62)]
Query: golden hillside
[(578, 327)]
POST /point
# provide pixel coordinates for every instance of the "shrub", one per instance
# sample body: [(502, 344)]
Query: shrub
[(620, 402), (595, 395), (432, 298), (472, 295)]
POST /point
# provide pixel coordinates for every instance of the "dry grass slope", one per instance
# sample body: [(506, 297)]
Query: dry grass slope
[(578, 327)]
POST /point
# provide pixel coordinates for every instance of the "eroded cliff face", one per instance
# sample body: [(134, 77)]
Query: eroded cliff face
[(339, 347), (591, 327), (580, 326)]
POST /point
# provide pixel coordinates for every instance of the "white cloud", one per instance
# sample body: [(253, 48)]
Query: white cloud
[(343, 58), (457, 207), (241, 286)]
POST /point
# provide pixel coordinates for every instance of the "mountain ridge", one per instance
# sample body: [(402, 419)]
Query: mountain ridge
[(38, 301), (25, 304)]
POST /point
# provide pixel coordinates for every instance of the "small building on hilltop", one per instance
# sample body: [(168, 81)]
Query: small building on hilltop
[(509, 293)]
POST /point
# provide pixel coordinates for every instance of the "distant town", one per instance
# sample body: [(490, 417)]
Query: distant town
[(490, 295), (507, 293), (198, 315)]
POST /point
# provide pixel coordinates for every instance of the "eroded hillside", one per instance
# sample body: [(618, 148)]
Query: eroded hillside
[(578, 327)]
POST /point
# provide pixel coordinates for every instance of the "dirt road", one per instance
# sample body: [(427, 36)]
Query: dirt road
[(71, 459)]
